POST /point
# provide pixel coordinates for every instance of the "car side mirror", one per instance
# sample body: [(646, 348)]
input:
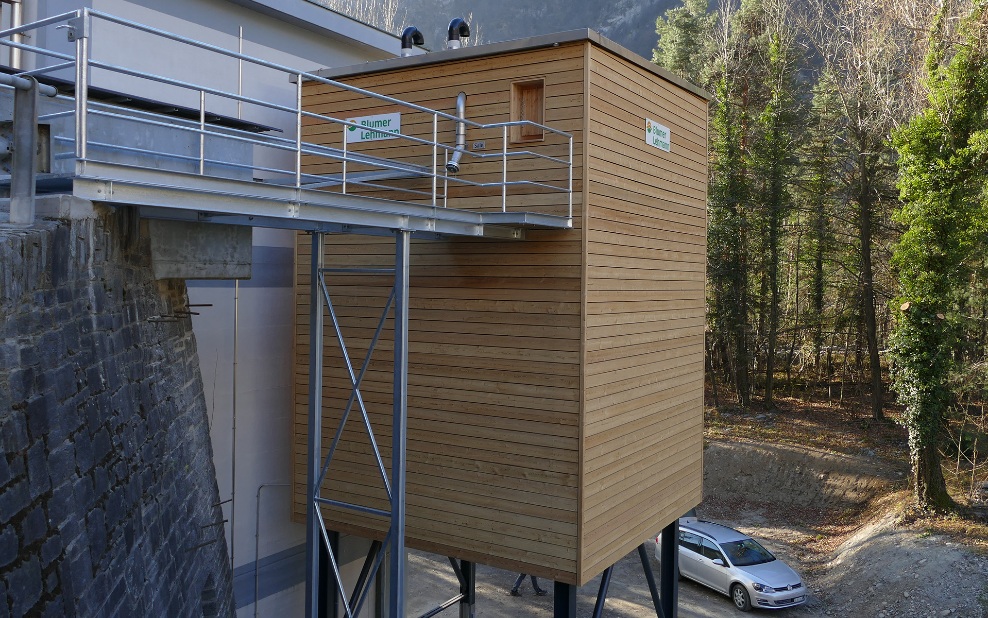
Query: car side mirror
[(718, 562)]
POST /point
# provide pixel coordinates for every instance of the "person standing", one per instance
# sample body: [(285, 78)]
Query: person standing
[(535, 584)]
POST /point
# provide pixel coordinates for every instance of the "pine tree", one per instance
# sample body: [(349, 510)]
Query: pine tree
[(685, 39), (777, 133), (727, 241), (819, 157)]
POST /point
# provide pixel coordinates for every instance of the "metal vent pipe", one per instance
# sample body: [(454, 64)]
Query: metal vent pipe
[(458, 30), (453, 166), (409, 38)]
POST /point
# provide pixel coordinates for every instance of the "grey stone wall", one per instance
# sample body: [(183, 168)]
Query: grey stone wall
[(108, 496)]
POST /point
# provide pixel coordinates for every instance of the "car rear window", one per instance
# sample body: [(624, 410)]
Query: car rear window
[(746, 552), (689, 541)]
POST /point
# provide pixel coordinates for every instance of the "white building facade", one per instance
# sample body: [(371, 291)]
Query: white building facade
[(244, 329)]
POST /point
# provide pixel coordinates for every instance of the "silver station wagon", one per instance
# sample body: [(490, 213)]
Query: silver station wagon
[(736, 565)]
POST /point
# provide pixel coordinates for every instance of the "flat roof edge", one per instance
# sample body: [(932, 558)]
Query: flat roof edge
[(515, 45), (323, 20)]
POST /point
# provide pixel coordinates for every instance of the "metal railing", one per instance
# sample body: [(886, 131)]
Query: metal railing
[(351, 170)]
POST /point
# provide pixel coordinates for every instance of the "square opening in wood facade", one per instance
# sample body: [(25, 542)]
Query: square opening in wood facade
[(528, 103)]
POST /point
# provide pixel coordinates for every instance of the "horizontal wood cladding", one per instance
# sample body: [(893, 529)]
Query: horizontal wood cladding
[(493, 395), (643, 355), (488, 84), (555, 384)]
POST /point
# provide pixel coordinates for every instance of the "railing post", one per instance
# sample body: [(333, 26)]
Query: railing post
[(24, 164), (504, 169), (79, 32), (346, 131), (569, 186), (298, 132), (435, 156), (445, 179), (202, 132)]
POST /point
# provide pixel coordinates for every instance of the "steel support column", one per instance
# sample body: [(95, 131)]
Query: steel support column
[(669, 570), (313, 536), (399, 424), (650, 578), (23, 167), (563, 600), (605, 583), (468, 588), (79, 32), (365, 573), (329, 597)]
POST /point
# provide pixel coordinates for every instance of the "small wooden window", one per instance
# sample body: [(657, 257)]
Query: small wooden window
[(527, 103)]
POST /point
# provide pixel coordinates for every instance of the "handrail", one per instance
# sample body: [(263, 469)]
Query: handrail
[(41, 23), (23, 83), (80, 30)]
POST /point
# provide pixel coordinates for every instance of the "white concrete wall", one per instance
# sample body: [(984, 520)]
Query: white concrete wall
[(260, 321)]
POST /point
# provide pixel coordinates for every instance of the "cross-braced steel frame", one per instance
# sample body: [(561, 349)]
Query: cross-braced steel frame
[(321, 552), (393, 545)]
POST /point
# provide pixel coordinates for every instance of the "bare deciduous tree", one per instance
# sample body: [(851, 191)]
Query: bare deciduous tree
[(872, 51), (382, 14)]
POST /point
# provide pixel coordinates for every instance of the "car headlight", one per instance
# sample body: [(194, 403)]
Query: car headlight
[(762, 587)]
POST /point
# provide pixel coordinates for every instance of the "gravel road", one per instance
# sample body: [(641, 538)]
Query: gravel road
[(432, 581)]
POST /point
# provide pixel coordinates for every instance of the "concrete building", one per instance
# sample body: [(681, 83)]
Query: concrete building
[(243, 329)]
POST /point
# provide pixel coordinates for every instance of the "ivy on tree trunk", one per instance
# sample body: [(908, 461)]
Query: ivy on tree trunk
[(942, 181)]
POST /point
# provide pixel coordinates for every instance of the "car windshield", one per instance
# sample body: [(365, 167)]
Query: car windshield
[(746, 552)]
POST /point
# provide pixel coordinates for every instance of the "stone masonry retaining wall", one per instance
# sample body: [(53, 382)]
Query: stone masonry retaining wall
[(108, 496)]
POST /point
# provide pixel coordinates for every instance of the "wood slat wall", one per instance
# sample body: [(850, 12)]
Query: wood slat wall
[(643, 372), (494, 336), (487, 83), (555, 384)]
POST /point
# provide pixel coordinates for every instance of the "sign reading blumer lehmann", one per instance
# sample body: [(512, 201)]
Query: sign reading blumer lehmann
[(373, 128), (657, 135)]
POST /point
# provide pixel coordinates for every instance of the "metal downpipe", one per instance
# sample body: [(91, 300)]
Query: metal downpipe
[(453, 165), (16, 21), (257, 539)]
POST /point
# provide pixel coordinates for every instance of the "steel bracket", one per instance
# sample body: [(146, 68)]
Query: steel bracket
[(77, 28)]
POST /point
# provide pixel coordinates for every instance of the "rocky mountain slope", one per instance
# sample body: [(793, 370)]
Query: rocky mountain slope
[(628, 22)]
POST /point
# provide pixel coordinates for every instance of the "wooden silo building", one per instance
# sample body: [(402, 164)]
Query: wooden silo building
[(555, 381)]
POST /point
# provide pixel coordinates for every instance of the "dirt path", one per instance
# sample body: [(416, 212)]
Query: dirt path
[(820, 512)]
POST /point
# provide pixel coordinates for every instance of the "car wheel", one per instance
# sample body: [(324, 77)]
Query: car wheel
[(740, 597)]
